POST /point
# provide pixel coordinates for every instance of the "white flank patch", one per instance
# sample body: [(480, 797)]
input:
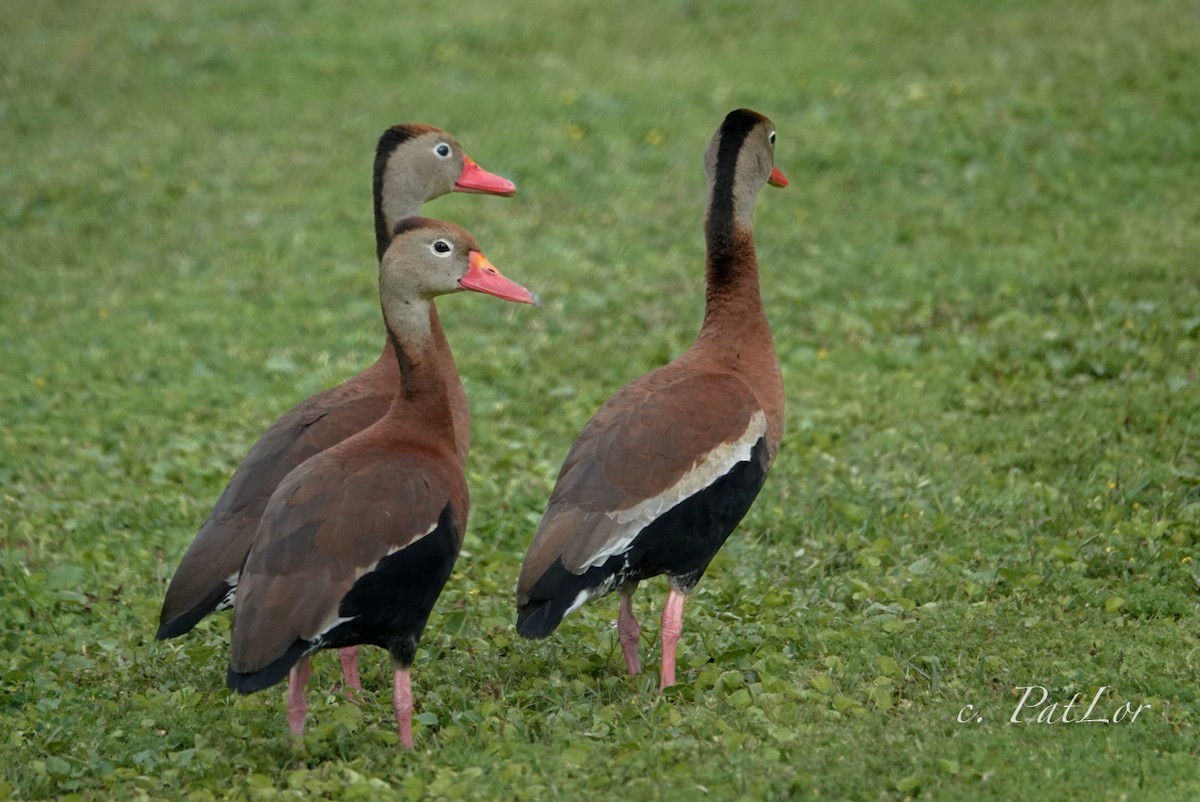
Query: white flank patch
[(230, 596), (337, 622), (718, 462), (579, 600)]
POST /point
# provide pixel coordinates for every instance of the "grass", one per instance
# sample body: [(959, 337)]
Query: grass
[(983, 284)]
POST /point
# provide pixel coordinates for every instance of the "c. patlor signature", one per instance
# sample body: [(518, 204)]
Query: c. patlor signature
[(1035, 707)]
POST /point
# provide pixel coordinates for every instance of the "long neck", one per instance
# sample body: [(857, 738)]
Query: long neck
[(393, 202), (395, 198), (396, 190), (731, 265), (423, 399)]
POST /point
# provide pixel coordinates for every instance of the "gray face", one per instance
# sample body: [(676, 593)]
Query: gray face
[(425, 261), (743, 178), (419, 170)]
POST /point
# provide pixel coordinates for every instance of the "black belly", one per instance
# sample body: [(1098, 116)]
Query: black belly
[(680, 543), (388, 607)]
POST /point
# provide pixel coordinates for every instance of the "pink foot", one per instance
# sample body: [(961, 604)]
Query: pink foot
[(630, 633), (672, 628), (296, 702), (402, 703), (350, 680)]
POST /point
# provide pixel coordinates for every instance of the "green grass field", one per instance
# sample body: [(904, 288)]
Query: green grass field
[(985, 289)]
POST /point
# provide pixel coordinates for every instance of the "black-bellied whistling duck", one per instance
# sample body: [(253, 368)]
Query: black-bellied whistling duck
[(413, 163), (356, 543), (666, 469)]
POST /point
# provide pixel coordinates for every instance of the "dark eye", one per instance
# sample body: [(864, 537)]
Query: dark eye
[(441, 246), (772, 137), (442, 150)]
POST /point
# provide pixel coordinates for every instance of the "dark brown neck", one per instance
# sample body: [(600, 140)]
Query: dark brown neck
[(731, 264), (736, 331), (731, 299), (422, 401)]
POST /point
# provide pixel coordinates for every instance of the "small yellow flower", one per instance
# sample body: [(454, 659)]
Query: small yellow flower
[(1186, 559), (654, 138), (575, 131), (822, 353), (837, 89), (1112, 485), (39, 381)]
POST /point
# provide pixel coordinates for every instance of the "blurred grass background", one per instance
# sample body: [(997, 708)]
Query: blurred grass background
[(983, 282)]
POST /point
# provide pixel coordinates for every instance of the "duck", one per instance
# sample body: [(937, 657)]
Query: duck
[(414, 163), (357, 542), (667, 468)]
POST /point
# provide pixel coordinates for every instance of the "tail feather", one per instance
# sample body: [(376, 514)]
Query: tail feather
[(251, 681), (181, 624), (538, 619), (558, 591)]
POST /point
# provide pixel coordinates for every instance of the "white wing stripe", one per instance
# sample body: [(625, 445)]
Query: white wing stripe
[(717, 463), (336, 622), (395, 549), (361, 572)]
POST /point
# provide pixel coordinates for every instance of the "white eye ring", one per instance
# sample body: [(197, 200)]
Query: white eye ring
[(441, 248), (442, 150), (772, 137)]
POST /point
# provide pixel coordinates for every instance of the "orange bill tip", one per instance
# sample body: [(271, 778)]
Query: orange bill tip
[(777, 179), (483, 277)]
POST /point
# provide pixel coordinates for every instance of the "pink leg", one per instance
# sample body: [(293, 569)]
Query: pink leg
[(630, 633), (402, 703), (297, 704), (349, 658), (672, 628)]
